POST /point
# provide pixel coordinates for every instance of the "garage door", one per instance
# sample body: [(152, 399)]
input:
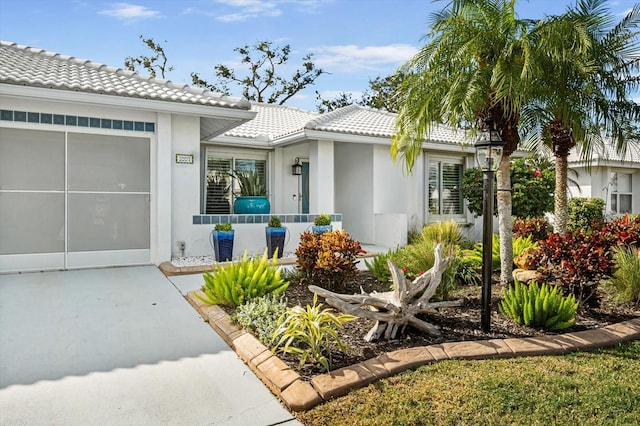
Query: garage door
[(72, 200)]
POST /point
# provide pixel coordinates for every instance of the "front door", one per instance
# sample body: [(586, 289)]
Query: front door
[(305, 187)]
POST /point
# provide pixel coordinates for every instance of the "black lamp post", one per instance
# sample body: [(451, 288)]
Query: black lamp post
[(488, 155)]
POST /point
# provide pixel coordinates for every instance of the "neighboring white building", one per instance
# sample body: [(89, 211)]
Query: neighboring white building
[(610, 176)]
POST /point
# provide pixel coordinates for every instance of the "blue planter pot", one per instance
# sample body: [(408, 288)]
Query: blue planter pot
[(252, 205), (275, 240), (223, 244), (321, 229)]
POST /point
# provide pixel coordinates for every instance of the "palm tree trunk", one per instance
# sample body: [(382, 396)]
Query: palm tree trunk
[(505, 221), (561, 208)]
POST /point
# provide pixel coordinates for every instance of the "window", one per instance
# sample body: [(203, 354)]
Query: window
[(443, 185), (219, 186), (620, 192)]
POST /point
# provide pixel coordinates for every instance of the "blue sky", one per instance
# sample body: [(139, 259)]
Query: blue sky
[(353, 40)]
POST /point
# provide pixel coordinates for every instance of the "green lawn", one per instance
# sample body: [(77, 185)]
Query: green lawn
[(593, 388)]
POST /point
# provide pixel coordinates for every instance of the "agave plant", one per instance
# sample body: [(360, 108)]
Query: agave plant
[(251, 183)]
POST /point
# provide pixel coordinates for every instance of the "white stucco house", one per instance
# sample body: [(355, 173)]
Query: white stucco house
[(103, 167), (611, 176)]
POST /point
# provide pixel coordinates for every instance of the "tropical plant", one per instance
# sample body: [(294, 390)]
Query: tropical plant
[(585, 213), (475, 255), (585, 71), (223, 227), (260, 316), (476, 65), (251, 183), (275, 222), (310, 333), (322, 220), (234, 284), (532, 184), (378, 266), (539, 306), (327, 259), (624, 284), (537, 228)]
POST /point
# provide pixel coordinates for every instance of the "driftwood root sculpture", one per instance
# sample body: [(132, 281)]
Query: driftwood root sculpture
[(396, 309)]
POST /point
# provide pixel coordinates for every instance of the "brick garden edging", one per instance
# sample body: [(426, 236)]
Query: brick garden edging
[(299, 394)]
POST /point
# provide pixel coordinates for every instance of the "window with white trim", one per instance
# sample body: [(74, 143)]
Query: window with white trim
[(220, 188), (621, 195), (444, 180)]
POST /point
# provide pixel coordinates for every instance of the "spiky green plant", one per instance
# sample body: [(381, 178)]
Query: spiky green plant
[(251, 183), (474, 255), (378, 266), (539, 306), (311, 333), (625, 281), (249, 278)]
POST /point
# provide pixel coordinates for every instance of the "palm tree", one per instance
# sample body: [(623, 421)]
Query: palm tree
[(475, 65), (585, 72)]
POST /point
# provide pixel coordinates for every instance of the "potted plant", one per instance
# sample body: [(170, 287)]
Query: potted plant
[(253, 193), (275, 234), (322, 224), (222, 242)]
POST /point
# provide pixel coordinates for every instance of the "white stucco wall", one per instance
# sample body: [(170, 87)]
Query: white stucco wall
[(354, 189), (185, 183), (290, 191)]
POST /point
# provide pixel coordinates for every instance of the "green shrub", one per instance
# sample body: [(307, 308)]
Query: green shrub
[(532, 186), (468, 271), (260, 316), (310, 333), (537, 228), (542, 306), (378, 266), (625, 281), (275, 222), (585, 213), (322, 220), (239, 282), (328, 259), (474, 256), (222, 227)]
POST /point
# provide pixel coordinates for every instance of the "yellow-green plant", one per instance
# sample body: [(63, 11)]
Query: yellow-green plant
[(310, 333), (519, 244), (260, 315), (247, 279), (539, 306), (625, 281)]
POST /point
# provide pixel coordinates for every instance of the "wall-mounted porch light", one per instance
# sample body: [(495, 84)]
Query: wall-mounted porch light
[(296, 169)]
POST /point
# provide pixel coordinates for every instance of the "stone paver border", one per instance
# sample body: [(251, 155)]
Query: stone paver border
[(299, 394)]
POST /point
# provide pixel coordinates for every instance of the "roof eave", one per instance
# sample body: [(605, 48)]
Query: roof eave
[(243, 114)]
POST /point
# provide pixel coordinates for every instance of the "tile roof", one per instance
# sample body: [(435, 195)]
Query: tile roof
[(272, 122), (28, 66), (607, 152), (276, 121)]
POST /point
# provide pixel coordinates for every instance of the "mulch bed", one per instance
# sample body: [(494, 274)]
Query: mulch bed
[(457, 324)]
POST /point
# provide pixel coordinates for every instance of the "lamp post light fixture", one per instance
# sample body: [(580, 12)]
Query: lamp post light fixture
[(296, 168), (489, 146)]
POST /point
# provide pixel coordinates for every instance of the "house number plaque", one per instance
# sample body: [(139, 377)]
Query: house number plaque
[(184, 158)]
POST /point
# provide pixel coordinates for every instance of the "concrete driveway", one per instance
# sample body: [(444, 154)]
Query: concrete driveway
[(119, 346)]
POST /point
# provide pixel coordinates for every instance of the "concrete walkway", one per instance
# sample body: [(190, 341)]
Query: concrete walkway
[(118, 346)]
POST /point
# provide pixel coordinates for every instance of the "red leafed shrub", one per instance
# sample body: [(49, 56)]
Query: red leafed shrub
[(328, 259), (577, 261), (536, 227), (626, 230)]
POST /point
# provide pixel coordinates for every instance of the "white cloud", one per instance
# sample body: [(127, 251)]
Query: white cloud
[(250, 9), (351, 58), (129, 12)]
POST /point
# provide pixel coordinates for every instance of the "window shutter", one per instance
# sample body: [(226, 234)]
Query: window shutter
[(451, 194), (217, 196)]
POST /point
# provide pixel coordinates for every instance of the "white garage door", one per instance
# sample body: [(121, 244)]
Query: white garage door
[(72, 200)]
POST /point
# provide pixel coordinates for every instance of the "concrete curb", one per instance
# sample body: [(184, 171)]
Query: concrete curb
[(301, 395)]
